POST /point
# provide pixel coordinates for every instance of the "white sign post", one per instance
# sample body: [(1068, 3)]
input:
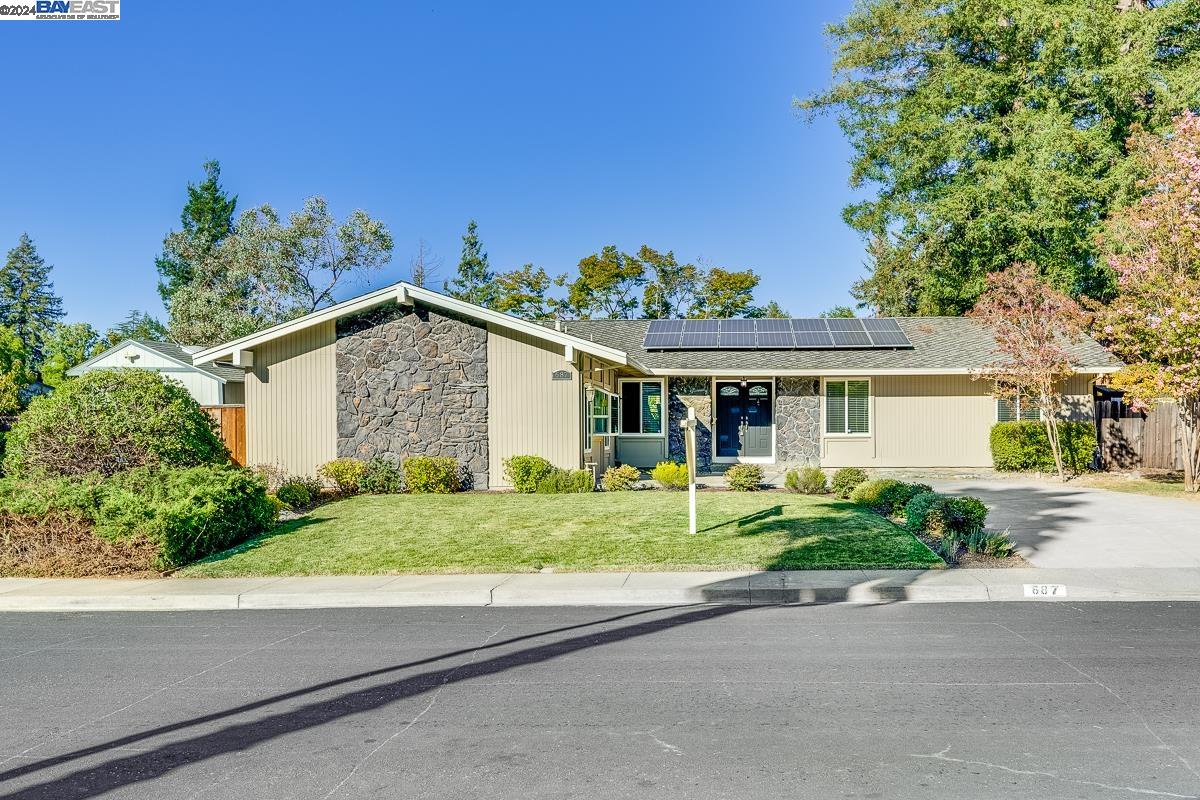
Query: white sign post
[(689, 446)]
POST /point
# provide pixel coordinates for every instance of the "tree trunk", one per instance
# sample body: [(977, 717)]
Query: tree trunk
[(1051, 423)]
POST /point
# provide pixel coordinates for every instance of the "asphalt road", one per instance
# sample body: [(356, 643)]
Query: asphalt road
[(897, 701)]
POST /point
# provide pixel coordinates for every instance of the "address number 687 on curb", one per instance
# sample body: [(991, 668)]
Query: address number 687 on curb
[(1049, 591)]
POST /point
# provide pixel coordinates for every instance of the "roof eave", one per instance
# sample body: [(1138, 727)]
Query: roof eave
[(404, 292)]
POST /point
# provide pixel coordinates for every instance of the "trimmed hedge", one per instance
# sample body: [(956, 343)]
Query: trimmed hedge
[(109, 421), (1024, 447), (345, 473)]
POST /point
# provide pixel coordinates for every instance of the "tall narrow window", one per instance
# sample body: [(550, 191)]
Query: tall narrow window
[(642, 407), (848, 407)]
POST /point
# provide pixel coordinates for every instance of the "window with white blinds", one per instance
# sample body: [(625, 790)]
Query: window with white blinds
[(1011, 409), (848, 407)]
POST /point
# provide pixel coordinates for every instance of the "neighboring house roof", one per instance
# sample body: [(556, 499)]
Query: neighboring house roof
[(173, 352), (940, 345), (404, 292)]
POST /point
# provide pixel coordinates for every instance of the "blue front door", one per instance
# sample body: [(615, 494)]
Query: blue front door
[(744, 419)]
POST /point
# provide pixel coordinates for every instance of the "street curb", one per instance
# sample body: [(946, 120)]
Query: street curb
[(598, 589)]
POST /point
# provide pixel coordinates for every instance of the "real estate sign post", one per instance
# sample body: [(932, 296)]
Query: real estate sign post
[(689, 446)]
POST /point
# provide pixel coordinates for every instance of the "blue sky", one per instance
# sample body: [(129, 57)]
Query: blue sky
[(560, 127)]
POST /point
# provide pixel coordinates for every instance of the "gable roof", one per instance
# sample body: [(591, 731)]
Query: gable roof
[(940, 345), (404, 292), (173, 352)]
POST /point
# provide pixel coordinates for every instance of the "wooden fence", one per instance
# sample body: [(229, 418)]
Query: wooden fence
[(231, 421), (1132, 440)]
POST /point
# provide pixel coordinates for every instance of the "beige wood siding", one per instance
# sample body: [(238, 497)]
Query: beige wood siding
[(291, 416), (529, 413), (932, 421), (204, 388)]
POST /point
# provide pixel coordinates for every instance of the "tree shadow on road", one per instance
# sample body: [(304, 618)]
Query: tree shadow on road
[(160, 760)]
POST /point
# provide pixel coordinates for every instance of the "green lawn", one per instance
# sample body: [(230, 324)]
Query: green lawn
[(644, 531)]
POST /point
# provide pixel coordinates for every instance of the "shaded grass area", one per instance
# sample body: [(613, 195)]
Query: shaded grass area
[(1166, 484), (644, 531)]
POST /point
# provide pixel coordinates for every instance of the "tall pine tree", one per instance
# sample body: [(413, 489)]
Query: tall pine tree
[(476, 283), (207, 219), (28, 304)]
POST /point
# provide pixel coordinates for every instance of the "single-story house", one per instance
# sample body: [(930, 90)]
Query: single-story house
[(404, 370), (209, 383)]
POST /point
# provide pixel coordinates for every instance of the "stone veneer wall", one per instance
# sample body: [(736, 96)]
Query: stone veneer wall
[(411, 381), (683, 393), (798, 421)]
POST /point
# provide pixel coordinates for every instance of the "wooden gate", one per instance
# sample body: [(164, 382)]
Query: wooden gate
[(231, 423), (1133, 440)]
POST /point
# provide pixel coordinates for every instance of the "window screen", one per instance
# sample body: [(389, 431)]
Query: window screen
[(651, 407), (848, 407), (835, 407)]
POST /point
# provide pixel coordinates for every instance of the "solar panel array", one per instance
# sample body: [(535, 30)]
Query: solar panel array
[(773, 334)]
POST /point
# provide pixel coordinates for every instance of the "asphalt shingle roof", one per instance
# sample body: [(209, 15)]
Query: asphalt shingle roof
[(950, 343), (172, 350)]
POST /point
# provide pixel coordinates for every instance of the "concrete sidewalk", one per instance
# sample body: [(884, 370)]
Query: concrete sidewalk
[(593, 589)]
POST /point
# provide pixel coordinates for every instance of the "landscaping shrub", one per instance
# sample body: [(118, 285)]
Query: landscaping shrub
[(1023, 446), (344, 473), (806, 480), (620, 479), (670, 475), (381, 476), (846, 480), (525, 472), (939, 515), (875, 494), (744, 477), (431, 474), (188, 513), (108, 421), (273, 475), (567, 481), (276, 504), (894, 498), (64, 546), (298, 491), (990, 543)]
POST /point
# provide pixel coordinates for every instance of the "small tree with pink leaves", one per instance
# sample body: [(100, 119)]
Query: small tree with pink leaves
[(1153, 324), (1032, 324)]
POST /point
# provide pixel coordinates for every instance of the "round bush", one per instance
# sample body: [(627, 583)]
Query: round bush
[(670, 475), (846, 480), (431, 475), (744, 477), (620, 479), (111, 421), (806, 480), (526, 472), (346, 473), (381, 476)]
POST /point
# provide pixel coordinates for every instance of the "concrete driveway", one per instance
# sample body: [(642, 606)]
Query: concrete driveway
[(1060, 525)]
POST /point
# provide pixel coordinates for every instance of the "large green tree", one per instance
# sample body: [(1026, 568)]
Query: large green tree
[(207, 218), (726, 293), (522, 293), (28, 304), (994, 131), (137, 325), (475, 281), (607, 286), (270, 270), (67, 346), (670, 286)]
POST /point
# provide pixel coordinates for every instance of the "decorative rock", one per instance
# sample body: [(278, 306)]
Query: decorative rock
[(413, 382), (682, 394), (798, 421)]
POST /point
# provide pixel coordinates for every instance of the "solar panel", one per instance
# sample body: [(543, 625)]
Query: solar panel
[(774, 334), (886, 333), (699, 333)]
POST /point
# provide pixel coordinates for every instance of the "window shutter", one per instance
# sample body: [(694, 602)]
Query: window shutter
[(651, 407), (835, 407), (858, 406)]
